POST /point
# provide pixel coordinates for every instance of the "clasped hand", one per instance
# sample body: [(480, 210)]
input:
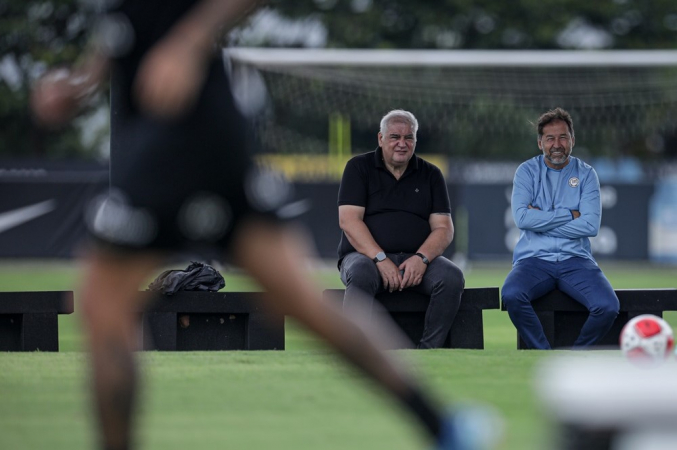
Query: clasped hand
[(409, 273)]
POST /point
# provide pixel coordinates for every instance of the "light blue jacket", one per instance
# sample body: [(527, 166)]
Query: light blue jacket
[(550, 232)]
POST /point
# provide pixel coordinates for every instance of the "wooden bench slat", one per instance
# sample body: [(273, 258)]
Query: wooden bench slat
[(59, 302), (29, 319), (216, 321), (206, 302), (629, 300), (408, 308), (473, 299)]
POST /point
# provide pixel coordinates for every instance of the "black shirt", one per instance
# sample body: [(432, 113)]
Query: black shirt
[(396, 211)]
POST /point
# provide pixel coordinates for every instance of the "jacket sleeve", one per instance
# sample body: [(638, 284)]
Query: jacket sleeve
[(590, 207), (523, 195)]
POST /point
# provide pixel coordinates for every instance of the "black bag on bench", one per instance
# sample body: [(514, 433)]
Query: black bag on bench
[(196, 277)]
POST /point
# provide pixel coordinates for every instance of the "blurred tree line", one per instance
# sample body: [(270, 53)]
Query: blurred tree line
[(37, 34)]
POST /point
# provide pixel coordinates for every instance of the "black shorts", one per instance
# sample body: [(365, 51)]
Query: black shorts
[(183, 184)]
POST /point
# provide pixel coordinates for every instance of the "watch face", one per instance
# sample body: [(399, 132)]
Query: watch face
[(380, 256)]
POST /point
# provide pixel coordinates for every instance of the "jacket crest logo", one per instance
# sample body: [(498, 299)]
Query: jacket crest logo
[(573, 182)]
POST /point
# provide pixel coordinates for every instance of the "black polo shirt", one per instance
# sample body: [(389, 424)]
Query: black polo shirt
[(396, 211)]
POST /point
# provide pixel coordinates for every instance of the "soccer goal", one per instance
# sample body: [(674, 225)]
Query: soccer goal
[(470, 104)]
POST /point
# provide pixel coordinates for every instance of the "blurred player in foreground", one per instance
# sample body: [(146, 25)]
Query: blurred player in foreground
[(188, 183)]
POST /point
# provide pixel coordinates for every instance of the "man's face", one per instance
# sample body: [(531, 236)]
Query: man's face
[(398, 144), (556, 144)]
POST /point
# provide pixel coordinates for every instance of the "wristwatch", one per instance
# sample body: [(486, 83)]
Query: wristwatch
[(380, 256), (425, 260)]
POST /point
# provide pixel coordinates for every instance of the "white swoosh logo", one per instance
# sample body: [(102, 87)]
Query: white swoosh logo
[(16, 217)]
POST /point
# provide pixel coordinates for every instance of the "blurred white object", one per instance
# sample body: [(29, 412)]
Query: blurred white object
[(593, 394), (647, 338)]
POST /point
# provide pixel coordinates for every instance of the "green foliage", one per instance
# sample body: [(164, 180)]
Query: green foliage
[(35, 35), (486, 24)]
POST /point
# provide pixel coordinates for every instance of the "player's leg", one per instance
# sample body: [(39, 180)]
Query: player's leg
[(527, 281), (110, 305), (443, 281), (273, 255), (582, 280)]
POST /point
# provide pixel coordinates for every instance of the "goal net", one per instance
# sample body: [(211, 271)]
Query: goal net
[(470, 104)]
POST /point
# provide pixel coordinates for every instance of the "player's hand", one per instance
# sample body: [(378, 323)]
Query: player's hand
[(575, 213), (59, 95), (390, 275), (169, 78), (533, 207), (414, 268)]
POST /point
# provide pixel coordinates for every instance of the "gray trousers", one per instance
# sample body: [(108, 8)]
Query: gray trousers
[(442, 281)]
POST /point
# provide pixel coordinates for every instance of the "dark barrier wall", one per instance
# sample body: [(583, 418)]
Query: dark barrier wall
[(41, 215)]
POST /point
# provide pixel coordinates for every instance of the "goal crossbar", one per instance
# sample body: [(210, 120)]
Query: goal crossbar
[(269, 57)]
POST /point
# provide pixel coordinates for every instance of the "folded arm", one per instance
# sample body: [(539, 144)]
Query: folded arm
[(590, 217), (530, 217)]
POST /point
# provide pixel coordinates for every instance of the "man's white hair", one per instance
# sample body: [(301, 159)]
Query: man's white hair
[(399, 115)]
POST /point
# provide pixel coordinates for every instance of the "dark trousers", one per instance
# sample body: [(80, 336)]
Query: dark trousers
[(579, 278), (442, 281)]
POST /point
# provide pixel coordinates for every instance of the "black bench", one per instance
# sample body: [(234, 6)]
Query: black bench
[(197, 320), (29, 320), (563, 318), (408, 308)]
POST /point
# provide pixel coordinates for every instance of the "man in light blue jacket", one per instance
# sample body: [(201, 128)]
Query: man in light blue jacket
[(556, 205)]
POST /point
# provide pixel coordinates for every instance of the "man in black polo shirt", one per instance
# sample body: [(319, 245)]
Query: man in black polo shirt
[(396, 220)]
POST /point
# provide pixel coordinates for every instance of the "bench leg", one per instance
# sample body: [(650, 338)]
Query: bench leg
[(547, 319), (467, 331), (159, 331), (40, 331), (265, 332)]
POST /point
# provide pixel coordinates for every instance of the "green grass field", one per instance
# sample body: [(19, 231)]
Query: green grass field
[(301, 398)]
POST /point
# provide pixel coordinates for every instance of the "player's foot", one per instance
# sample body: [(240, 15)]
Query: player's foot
[(472, 428)]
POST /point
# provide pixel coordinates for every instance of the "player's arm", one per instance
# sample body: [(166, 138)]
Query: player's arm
[(351, 221), (172, 73), (61, 94)]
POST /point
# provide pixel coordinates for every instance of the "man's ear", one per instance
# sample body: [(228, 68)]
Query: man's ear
[(540, 146), (380, 136), (573, 141)]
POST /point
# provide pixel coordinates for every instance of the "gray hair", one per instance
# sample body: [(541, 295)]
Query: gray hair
[(399, 115)]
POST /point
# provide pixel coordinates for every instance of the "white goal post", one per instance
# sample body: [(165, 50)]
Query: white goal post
[(268, 57), (470, 104)]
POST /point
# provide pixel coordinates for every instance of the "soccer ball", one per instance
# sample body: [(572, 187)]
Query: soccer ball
[(647, 338)]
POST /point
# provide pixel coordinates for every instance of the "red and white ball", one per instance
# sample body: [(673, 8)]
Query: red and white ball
[(647, 338)]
